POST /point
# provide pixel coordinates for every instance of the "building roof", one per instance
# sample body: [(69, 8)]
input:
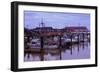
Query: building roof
[(47, 31), (76, 29)]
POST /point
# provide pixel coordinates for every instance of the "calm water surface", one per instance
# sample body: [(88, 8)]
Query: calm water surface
[(75, 51)]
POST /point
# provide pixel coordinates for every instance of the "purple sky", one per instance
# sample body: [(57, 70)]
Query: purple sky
[(32, 19)]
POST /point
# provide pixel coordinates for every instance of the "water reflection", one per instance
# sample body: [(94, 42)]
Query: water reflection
[(73, 51)]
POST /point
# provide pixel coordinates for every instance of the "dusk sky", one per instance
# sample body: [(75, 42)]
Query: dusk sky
[(32, 19)]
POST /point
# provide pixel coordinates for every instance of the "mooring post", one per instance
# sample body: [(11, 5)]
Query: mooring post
[(78, 39), (42, 42), (71, 42), (41, 50), (78, 47), (87, 37), (83, 39), (59, 41)]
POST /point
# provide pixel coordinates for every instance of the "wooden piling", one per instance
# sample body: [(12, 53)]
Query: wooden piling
[(71, 42), (42, 50), (60, 41)]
